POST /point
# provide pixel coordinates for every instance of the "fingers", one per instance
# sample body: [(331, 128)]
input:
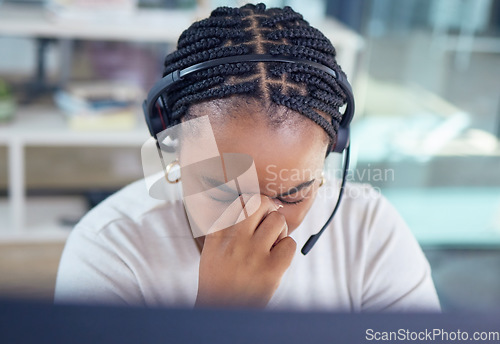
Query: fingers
[(282, 253), (272, 229), (267, 206), (257, 224), (241, 217)]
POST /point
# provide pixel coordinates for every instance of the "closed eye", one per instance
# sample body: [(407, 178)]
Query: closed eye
[(288, 202)]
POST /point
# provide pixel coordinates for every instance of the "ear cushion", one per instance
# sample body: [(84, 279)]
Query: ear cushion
[(165, 115), (153, 120), (342, 140), (349, 111), (343, 132), (158, 120)]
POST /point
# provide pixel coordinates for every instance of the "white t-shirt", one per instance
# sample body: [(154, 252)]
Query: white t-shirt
[(133, 249)]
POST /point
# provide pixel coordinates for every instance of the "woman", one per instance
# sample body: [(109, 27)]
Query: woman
[(285, 116)]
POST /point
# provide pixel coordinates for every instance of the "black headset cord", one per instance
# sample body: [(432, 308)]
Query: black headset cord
[(313, 238)]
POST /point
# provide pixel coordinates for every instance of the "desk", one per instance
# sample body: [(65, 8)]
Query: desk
[(22, 322)]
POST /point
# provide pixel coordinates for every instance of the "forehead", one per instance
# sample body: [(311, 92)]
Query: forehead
[(295, 143), (284, 147)]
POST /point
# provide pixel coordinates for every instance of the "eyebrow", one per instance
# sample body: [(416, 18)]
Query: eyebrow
[(223, 187)]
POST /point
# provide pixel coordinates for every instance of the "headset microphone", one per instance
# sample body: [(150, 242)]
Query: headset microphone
[(313, 238), (159, 117)]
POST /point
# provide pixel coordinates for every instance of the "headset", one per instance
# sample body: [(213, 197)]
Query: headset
[(159, 117)]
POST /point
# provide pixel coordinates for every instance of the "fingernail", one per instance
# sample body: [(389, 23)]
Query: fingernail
[(277, 203)]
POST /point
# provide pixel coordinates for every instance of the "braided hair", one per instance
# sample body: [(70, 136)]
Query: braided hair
[(253, 29)]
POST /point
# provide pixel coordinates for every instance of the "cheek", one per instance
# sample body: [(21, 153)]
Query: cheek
[(202, 213)]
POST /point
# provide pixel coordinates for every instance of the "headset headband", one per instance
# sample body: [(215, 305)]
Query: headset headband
[(167, 81)]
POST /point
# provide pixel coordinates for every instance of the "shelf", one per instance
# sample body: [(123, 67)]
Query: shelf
[(44, 218), (37, 125), (46, 126), (145, 25)]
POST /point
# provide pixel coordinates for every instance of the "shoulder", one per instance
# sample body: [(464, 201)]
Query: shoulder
[(132, 222), (367, 219), (370, 206), (362, 206), (394, 274), (363, 213), (132, 206), (362, 196), (121, 245)]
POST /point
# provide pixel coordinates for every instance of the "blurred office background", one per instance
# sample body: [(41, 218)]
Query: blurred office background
[(426, 76)]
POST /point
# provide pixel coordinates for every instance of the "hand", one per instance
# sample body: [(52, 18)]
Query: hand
[(242, 265)]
